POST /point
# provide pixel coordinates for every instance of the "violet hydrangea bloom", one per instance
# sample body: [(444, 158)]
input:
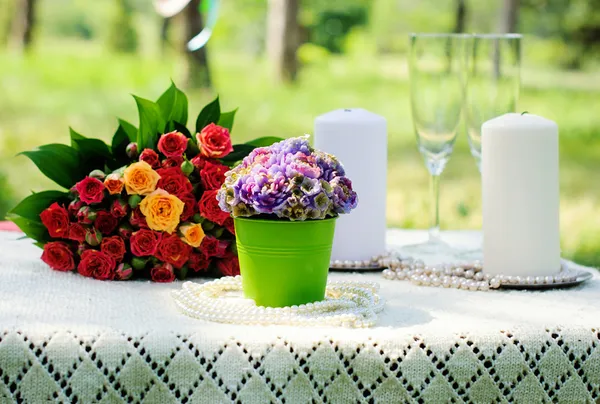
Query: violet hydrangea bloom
[(288, 180)]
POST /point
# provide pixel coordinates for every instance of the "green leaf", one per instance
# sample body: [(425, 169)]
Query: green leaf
[(75, 136), (174, 105), (119, 144), (93, 153), (239, 152), (151, 123), (58, 162), (209, 114), (32, 229), (264, 141), (226, 119), (129, 129), (31, 207), (172, 125)]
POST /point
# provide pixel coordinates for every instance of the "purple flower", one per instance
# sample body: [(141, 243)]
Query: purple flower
[(289, 180), (344, 198)]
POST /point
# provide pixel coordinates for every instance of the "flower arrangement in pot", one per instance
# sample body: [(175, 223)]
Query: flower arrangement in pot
[(285, 199)]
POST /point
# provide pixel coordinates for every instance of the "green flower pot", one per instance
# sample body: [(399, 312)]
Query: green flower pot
[(284, 263)]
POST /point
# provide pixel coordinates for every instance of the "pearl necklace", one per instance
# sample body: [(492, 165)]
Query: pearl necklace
[(346, 304), (468, 276)]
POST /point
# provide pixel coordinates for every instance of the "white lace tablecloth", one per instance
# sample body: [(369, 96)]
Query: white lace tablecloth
[(65, 338)]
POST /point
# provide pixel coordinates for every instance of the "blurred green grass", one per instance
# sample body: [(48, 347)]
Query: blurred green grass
[(80, 85)]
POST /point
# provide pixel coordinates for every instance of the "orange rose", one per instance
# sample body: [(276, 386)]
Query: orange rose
[(162, 210), (114, 183), (140, 179), (192, 234)]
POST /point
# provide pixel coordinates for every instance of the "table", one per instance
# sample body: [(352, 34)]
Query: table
[(67, 338)]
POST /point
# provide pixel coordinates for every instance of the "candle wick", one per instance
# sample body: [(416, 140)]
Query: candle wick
[(524, 112), (347, 110)]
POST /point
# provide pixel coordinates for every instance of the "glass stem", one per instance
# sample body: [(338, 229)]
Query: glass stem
[(434, 230)]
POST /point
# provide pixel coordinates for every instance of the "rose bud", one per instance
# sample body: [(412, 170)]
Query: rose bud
[(93, 237), (98, 174), (150, 157), (86, 215), (134, 201), (199, 161), (187, 167), (132, 150), (119, 208), (125, 231), (138, 263), (163, 273), (123, 272), (74, 207)]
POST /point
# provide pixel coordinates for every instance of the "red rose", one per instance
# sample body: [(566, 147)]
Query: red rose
[(172, 162), (58, 256), (212, 247), (56, 220), (229, 225), (144, 242), (214, 141), (119, 208), (172, 144), (198, 262), (190, 206), (137, 219), (229, 266), (163, 273), (91, 190), (150, 157), (97, 265), (173, 181), (213, 175), (199, 161), (76, 232), (173, 251), (209, 208), (74, 207), (105, 222), (113, 246)]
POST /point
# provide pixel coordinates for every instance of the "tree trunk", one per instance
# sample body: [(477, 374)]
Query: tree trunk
[(459, 28), (23, 23), (197, 72), (461, 16), (509, 17), (282, 38)]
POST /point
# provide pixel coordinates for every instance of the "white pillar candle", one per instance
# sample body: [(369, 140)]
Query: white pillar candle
[(520, 187), (358, 138)]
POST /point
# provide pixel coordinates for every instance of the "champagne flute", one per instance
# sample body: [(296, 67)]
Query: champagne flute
[(437, 89), (494, 80)]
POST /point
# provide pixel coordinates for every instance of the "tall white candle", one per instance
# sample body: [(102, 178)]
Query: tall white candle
[(520, 195), (358, 138)]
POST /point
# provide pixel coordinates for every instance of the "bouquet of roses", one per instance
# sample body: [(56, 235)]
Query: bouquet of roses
[(144, 207)]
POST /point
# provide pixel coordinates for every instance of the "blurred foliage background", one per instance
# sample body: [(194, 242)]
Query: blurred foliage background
[(75, 63)]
